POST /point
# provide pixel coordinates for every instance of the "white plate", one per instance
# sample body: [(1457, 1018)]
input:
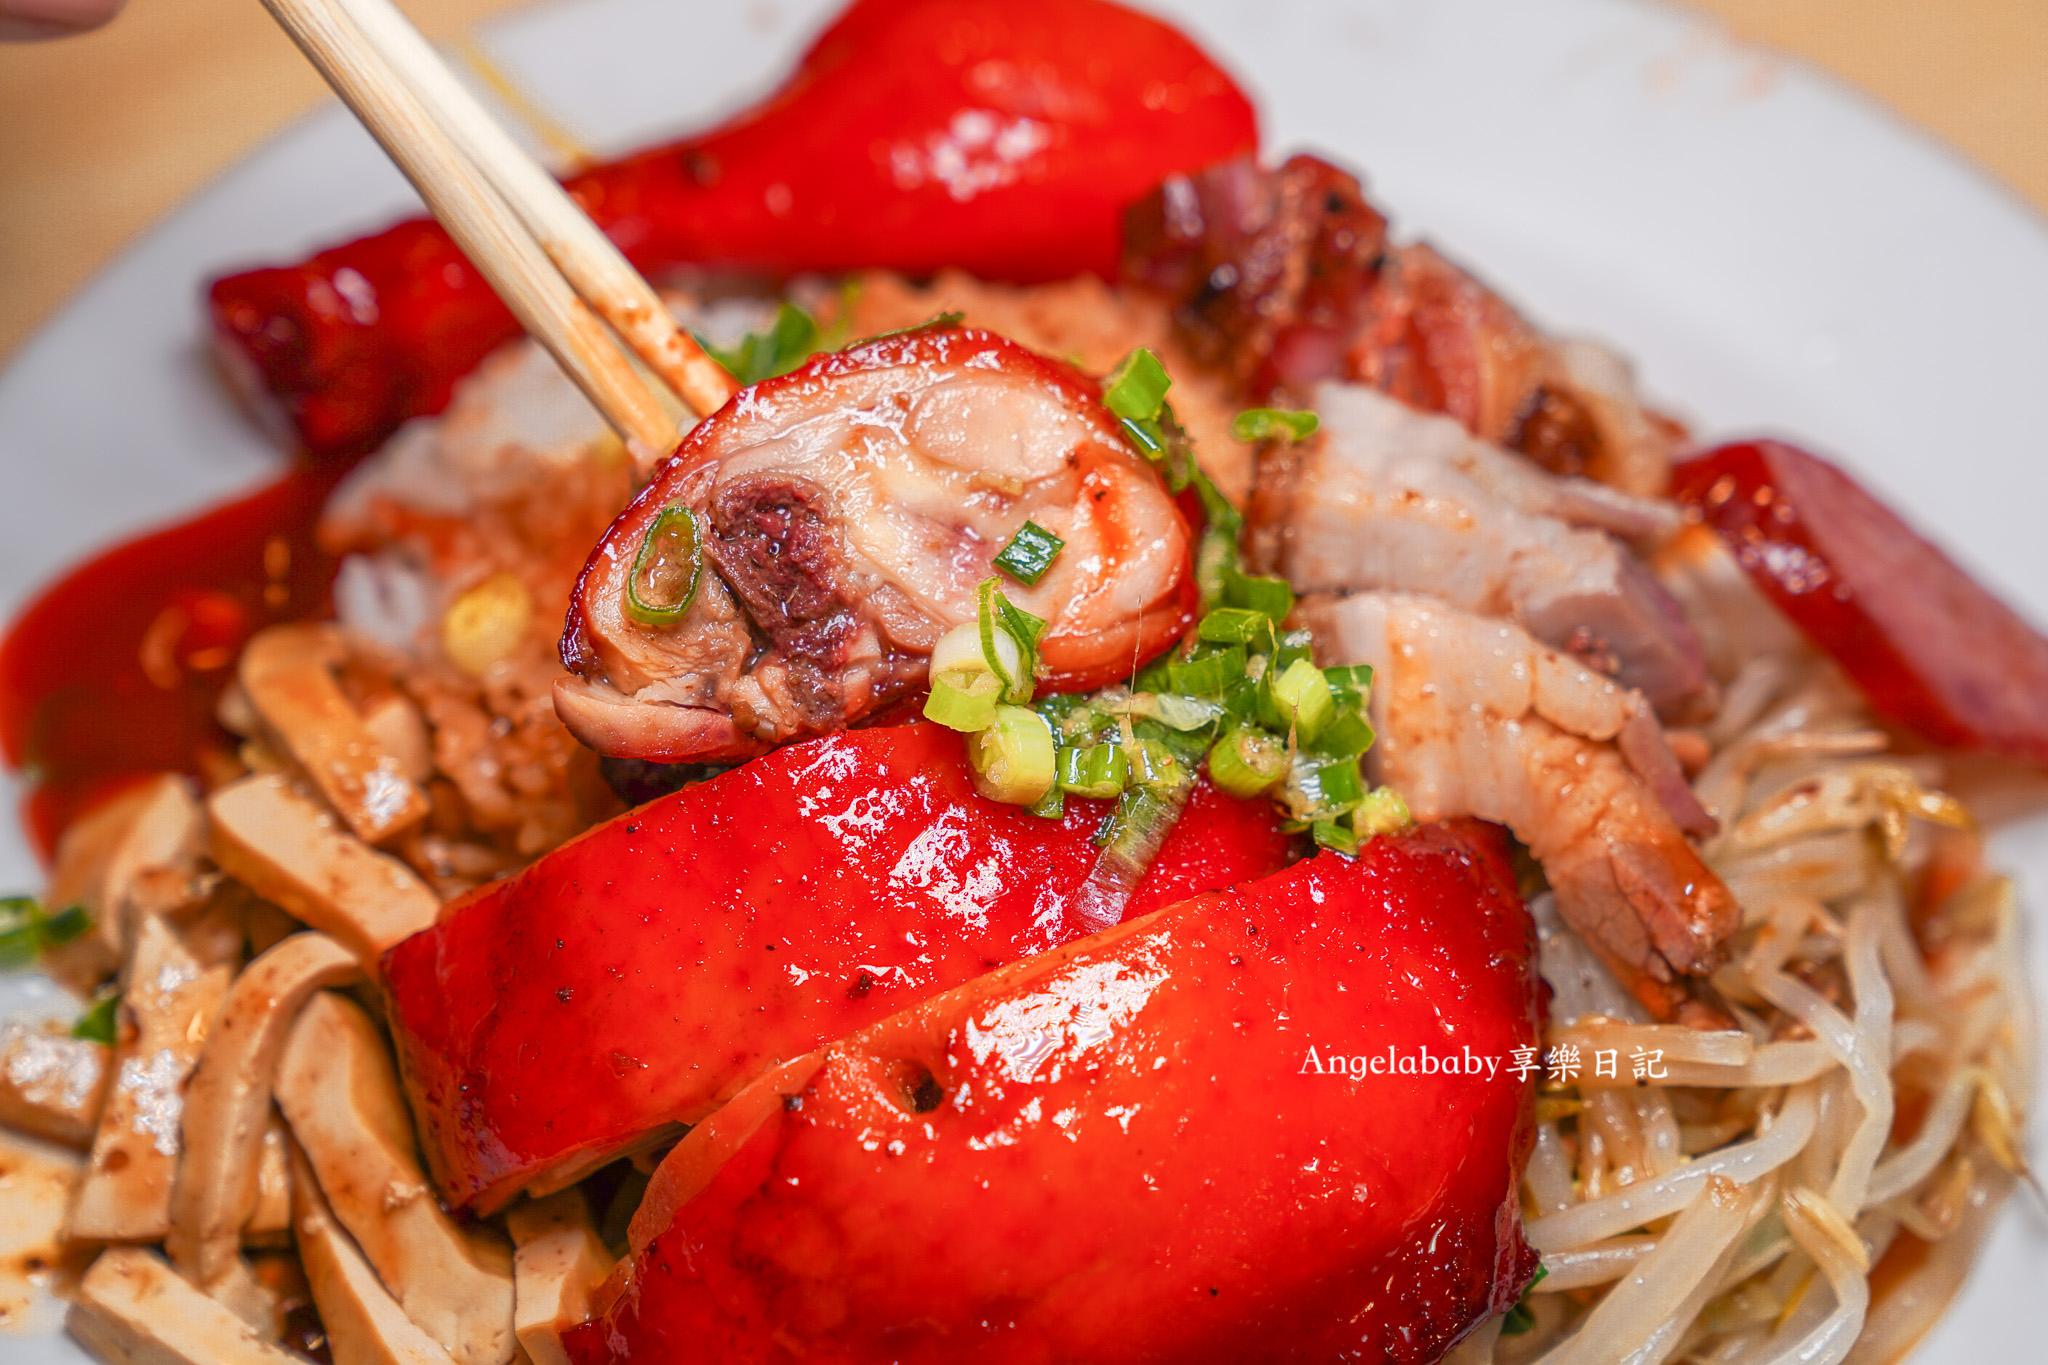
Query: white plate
[(1777, 253)]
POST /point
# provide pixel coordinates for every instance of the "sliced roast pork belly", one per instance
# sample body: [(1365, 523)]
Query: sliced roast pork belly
[(1476, 718), (1388, 497), (789, 570), (1284, 277)]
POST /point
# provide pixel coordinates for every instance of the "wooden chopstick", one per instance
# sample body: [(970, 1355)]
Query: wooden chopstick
[(595, 267), (494, 226)]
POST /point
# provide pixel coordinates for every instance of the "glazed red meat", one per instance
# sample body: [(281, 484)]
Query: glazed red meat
[(1930, 647), (1123, 1151), (914, 135), (1269, 268), (637, 976)]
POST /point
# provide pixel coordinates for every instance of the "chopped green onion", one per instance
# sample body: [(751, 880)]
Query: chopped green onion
[(1053, 805), (1358, 677), (1210, 675), (1381, 811), (964, 700), (1246, 762), (1097, 770), (1029, 554), (1295, 644), (1331, 835), (1240, 693), (996, 619), (1234, 626), (961, 650), (1268, 596), (1146, 435), (97, 1024), (934, 322), (26, 929), (1257, 424), (1302, 698), (1348, 736), (1014, 757), (1152, 764), (789, 341), (1241, 699), (663, 582), (1520, 1319), (1339, 782), (1178, 712), (65, 925), (1136, 389), (1322, 788)]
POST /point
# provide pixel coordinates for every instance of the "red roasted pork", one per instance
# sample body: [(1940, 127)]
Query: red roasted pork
[(915, 134), (638, 976), (1164, 1143)]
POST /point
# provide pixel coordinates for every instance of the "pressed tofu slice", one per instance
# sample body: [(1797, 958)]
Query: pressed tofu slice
[(290, 851), (227, 1104), (364, 1324), (36, 1185), (51, 1085), (112, 861), (132, 1309), (167, 1006), (559, 1263), (339, 1092), (287, 675)]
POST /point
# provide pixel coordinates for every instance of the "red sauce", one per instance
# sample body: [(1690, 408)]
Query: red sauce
[(113, 672)]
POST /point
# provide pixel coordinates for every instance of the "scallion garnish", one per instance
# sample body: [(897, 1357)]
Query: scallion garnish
[(1259, 424), (1098, 770), (1301, 696), (663, 582), (1247, 762), (1136, 389), (1207, 675), (789, 341), (1013, 757), (1240, 694), (1520, 1319), (97, 1024), (1029, 554), (1234, 626), (997, 620), (1381, 811), (1330, 834), (27, 929), (1268, 596), (964, 701), (982, 663)]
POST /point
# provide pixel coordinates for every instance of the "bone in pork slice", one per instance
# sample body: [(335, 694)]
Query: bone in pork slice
[(120, 859), (846, 512), (167, 1005), (1390, 498), (559, 1263), (227, 1107), (51, 1084), (132, 1309), (1476, 718), (287, 849), (287, 674), (363, 1323), (340, 1094)]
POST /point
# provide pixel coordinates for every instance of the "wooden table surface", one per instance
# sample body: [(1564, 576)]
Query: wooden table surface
[(101, 135)]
